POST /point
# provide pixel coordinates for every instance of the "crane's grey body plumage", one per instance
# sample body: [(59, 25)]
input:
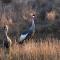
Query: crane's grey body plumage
[(28, 33), (7, 42), (23, 36)]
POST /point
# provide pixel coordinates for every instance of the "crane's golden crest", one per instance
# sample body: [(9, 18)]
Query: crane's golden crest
[(27, 13)]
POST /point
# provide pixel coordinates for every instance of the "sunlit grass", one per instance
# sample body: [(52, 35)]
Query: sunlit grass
[(43, 50), (51, 15)]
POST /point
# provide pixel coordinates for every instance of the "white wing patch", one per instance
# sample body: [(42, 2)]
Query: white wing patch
[(22, 37)]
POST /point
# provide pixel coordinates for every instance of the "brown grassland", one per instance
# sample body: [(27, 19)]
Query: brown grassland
[(43, 50), (16, 15)]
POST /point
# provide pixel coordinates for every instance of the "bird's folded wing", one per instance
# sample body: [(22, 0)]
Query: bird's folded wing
[(23, 36)]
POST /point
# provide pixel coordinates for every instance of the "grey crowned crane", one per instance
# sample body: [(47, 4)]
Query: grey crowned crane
[(28, 33), (7, 41)]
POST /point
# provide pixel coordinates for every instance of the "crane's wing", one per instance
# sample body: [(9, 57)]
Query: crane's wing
[(23, 36)]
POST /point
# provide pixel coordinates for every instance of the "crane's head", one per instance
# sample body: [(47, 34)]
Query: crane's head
[(33, 16), (6, 28)]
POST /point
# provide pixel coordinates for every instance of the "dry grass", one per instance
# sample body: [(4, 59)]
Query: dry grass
[(49, 49), (44, 50), (51, 15)]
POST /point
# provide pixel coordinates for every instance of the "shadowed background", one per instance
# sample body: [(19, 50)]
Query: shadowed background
[(17, 13)]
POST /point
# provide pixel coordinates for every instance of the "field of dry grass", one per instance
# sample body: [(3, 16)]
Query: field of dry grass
[(16, 15), (43, 50)]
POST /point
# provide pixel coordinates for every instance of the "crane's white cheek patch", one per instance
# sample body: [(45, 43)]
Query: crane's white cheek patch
[(22, 37)]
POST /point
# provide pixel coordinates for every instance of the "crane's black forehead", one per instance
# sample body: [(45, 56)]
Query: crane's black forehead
[(4, 27), (33, 14)]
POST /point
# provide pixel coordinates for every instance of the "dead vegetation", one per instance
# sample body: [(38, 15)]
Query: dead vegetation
[(34, 50), (16, 15)]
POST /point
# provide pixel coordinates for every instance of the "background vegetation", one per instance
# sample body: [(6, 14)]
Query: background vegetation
[(45, 44)]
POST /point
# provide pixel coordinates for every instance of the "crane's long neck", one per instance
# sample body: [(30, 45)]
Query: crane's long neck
[(6, 33), (33, 26), (32, 22)]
